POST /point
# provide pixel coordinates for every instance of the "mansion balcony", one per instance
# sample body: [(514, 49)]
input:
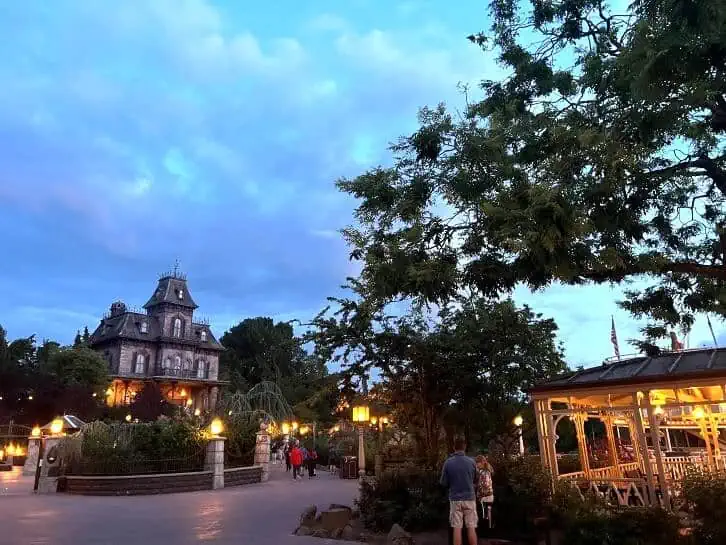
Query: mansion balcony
[(165, 372)]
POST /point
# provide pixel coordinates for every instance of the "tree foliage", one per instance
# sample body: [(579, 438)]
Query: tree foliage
[(598, 157)]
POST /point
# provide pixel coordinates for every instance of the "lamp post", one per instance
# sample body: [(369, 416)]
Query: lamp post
[(518, 421), (361, 415)]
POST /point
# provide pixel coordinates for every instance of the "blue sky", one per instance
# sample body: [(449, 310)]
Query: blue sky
[(139, 132)]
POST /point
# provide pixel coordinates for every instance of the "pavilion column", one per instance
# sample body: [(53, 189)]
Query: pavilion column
[(550, 439), (612, 445), (716, 446), (543, 451), (643, 448), (579, 420), (703, 427), (655, 438)]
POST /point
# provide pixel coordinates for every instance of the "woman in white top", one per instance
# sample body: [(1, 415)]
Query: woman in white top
[(485, 487)]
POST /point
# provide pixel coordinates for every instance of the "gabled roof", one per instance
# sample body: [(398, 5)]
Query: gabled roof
[(669, 366), (168, 291)]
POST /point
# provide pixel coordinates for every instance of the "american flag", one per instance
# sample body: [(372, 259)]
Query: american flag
[(614, 338)]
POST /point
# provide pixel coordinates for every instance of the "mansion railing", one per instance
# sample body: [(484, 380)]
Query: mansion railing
[(199, 374)]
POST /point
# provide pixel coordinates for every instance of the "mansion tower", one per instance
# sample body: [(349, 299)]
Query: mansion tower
[(163, 344)]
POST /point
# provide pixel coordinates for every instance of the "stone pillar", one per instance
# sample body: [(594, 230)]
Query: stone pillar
[(262, 451), (213, 393), (31, 461), (214, 461), (50, 466)]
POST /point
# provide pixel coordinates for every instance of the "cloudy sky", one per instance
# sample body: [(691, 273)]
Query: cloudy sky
[(139, 132)]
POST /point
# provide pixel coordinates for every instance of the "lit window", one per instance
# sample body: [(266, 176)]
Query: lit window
[(144, 327), (200, 368), (177, 362), (177, 327), (180, 294), (204, 336), (140, 364)]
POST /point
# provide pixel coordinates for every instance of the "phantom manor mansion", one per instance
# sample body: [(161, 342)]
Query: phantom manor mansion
[(163, 344)]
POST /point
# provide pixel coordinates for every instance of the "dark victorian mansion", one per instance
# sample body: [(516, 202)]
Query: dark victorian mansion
[(163, 344)]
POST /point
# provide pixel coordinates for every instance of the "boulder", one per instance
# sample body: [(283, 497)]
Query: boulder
[(335, 534), (304, 531), (321, 532), (399, 536), (308, 516), (334, 518), (347, 534)]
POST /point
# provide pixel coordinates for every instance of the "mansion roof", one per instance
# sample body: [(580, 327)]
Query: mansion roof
[(666, 367)]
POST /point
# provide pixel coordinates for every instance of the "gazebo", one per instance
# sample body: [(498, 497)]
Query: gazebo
[(663, 416)]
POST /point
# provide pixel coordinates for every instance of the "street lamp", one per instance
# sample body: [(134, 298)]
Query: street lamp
[(216, 427), (56, 427), (361, 415), (518, 421)]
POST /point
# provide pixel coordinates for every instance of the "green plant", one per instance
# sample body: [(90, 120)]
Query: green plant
[(409, 497), (622, 526), (705, 496)]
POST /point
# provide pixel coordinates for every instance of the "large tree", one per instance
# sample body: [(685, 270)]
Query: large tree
[(443, 370), (598, 157)]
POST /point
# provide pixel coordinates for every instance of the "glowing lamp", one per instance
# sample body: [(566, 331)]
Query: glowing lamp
[(56, 427), (11, 449), (30, 398), (197, 412), (361, 414), (384, 420), (189, 402), (2, 454), (294, 425), (109, 392), (698, 413), (374, 420), (285, 428), (658, 411), (183, 393), (35, 432), (216, 427), (128, 418), (518, 421)]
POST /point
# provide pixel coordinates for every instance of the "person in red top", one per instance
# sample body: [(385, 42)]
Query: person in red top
[(296, 459)]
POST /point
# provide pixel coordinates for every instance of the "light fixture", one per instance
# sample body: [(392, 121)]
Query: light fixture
[(361, 413), (658, 410), (285, 428), (384, 420), (128, 418), (94, 394), (189, 402), (698, 413), (294, 425), (216, 427), (374, 420), (230, 413), (35, 432), (518, 421), (182, 393), (56, 427), (30, 398), (197, 412), (336, 428)]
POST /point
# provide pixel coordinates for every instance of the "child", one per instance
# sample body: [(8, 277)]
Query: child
[(485, 487)]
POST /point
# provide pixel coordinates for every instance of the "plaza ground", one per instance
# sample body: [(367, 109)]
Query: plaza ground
[(260, 514)]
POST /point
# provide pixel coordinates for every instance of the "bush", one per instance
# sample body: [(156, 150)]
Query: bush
[(409, 497), (705, 496), (622, 526)]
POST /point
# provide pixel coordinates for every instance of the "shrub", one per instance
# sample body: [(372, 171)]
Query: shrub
[(622, 526), (409, 497), (705, 496)]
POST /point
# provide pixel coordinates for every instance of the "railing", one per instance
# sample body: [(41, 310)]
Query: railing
[(181, 373), (620, 491)]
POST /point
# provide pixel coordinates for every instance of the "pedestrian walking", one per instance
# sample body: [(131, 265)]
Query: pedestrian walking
[(312, 462), (459, 475), (288, 464), (485, 488), (296, 459)]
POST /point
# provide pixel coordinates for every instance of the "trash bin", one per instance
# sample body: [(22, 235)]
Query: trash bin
[(349, 468)]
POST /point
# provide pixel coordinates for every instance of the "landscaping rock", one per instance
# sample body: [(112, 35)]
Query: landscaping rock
[(304, 531), (335, 518), (308, 516), (399, 536), (347, 534), (321, 532), (335, 534)]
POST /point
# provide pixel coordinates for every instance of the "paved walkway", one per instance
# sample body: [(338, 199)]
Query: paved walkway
[(261, 514)]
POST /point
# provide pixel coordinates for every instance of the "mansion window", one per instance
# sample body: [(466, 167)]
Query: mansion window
[(144, 327), (204, 336), (177, 329), (167, 363), (177, 363), (140, 366), (201, 368), (180, 294)]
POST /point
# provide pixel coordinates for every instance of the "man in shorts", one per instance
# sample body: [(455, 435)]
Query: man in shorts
[(459, 476)]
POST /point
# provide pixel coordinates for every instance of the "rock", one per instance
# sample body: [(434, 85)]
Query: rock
[(308, 515), (347, 534), (399, 536), (335, 518), (335, 534), (334, 506), (320, 532), (304, 531)]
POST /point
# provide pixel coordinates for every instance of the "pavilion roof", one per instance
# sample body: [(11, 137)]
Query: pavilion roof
[(666, 367)]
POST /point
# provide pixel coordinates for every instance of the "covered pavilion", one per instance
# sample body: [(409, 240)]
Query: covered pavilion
[(663, 416)]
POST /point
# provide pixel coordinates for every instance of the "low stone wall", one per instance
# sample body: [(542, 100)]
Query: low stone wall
[(133, 485), (238, 476)]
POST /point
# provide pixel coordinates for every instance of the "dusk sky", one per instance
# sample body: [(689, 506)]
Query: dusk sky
[(139, 132)]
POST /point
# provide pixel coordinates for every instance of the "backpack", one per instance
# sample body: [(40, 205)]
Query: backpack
[(484, 486)]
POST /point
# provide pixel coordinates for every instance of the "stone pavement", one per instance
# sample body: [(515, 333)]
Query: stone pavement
[(260, 514)]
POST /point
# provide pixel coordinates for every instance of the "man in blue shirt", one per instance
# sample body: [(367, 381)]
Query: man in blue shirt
[(459, 476)]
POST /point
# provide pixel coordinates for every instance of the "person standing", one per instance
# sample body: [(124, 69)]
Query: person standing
[(312, 462), (459, 475), (288, 464), (485, 488), (296, 459)]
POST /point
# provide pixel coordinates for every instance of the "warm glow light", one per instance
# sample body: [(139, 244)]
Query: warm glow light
[(109, 392), (336, 428), (35, 432), (197, 412), (285, 428), (56, 427), (361, 414), (128, 418), (698, 413), (189, 402), (304, 430), (30, 398), (2, 454), (294, 425), (183, 393), (374, 420), (658, 411), (384, 420), (518, 421), (11, 450), (94, 394), (216, 427)]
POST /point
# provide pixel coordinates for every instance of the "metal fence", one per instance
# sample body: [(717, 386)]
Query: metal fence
[(135, 466)]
